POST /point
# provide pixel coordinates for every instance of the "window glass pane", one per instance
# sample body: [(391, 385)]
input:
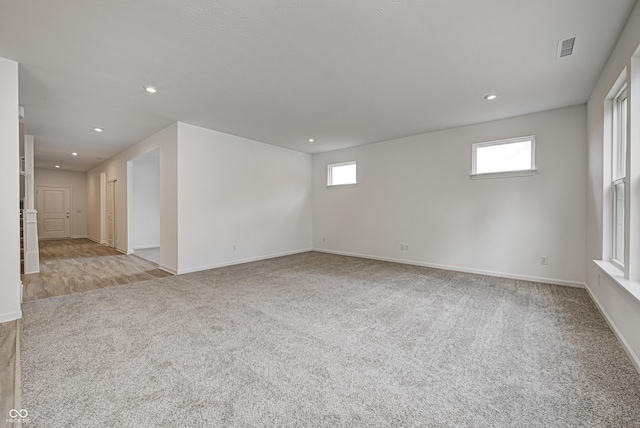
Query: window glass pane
[(620, 142), (503, 157), (618, 222), (342, 174)]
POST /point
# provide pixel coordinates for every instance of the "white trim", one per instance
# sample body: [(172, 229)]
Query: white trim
[(617, 276), (168, 269), (635, 360), (31, 262), (551, 281), (504, 174), (78, 236), (342, 186), (616, 264), (144, 247), (238, 262), (330, 173), (10, 316), (476, 146)]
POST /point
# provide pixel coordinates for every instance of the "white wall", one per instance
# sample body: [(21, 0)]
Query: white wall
[(235, 191), (9, 193), (417, 191), (146, 201), (77, 182), (621, 309), (117, 168)]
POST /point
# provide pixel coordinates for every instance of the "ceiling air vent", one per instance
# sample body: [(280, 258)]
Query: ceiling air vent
[(565, 47)]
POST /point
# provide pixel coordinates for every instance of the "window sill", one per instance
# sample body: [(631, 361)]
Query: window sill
[(505, 174), (342, 186), (617, 276)]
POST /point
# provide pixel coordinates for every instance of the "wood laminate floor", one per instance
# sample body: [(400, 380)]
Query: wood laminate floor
[(8, 331), (75, 265)]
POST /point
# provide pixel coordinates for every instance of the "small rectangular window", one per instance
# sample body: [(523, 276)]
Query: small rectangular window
[(339, 174), (504, 157)]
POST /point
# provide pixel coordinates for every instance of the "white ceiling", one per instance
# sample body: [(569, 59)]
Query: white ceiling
[(344, 72)]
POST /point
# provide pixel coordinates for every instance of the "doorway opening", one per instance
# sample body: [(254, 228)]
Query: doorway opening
[(144, 219)]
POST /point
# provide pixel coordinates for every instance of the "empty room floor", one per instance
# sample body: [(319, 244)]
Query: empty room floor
[(322, 340)]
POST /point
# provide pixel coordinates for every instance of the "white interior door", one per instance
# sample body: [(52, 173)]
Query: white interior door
[(54, 215), (111, 214)]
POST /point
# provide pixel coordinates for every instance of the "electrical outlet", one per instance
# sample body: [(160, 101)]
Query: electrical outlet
[(324, 239), (544, 260), (404, 247), (599, 279), (234, 248)]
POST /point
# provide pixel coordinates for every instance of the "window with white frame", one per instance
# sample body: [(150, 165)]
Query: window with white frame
[(618, 173), (515, 156), (343, 173)]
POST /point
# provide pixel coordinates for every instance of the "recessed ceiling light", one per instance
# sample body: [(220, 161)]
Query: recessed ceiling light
[(57, 166), (98, 129), (311, 140), (74, 154), (490, 97), (150, 89)]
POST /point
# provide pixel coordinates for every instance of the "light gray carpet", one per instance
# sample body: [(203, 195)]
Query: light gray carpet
[(323, 340), (151, 254)]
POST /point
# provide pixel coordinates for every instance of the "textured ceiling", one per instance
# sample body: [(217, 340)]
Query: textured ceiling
[(342, 72)]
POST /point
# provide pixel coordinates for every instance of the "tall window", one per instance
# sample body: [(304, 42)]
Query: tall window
[(618, 173)]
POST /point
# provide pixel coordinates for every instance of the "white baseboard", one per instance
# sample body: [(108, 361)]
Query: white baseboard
[(238, 262), (10, 316), (79, 236), (625, 345), (97, 241), (168, 269), (551, 281), (144, 247)]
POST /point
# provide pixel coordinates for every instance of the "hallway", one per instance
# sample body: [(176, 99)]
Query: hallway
[(75, 265)]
